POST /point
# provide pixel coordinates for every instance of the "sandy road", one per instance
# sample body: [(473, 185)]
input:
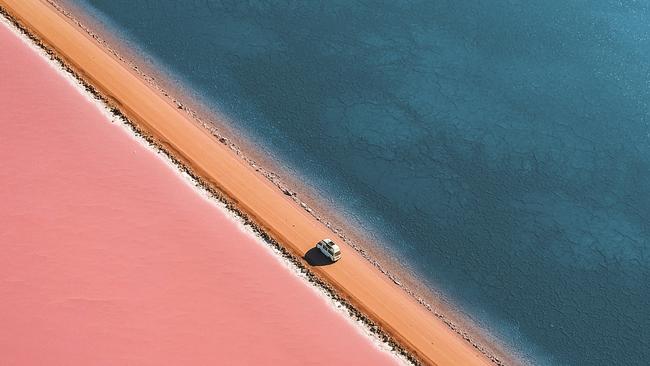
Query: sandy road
[(369, 290)]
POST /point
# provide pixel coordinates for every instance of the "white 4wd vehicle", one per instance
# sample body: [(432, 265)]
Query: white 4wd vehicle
[(330, 249)]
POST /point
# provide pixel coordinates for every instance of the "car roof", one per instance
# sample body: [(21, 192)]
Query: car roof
[(330, 243)]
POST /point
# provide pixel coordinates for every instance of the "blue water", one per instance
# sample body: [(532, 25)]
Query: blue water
[(502, 148)]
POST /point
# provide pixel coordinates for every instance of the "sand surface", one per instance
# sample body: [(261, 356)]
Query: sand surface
[(410, 323), (109, 257)]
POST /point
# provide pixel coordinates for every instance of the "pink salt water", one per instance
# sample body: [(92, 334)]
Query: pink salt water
[(107, 257)]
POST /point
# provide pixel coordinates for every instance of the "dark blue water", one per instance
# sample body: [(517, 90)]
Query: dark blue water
[(502, 148)]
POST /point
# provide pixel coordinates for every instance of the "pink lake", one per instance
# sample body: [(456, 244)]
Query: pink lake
[(110, 258)]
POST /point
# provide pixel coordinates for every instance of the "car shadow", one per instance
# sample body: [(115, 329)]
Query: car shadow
[(315, 258)]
